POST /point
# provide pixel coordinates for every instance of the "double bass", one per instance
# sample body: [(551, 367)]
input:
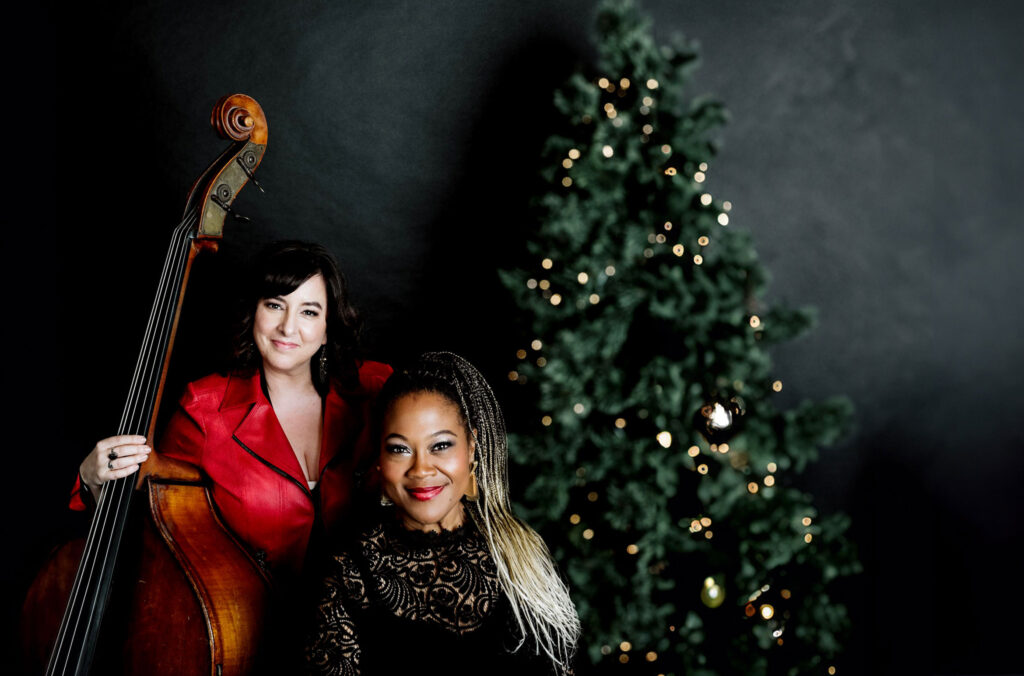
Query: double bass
[(160, 585)]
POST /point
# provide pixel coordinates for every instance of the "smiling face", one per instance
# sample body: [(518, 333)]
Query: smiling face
[(425, 459), (288, 330)]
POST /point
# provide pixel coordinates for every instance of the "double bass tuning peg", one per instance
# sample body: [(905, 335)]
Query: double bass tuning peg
[(245, 159), (222, 201)]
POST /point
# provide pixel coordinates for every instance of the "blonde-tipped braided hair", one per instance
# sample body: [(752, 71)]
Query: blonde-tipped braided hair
[(538, 597)]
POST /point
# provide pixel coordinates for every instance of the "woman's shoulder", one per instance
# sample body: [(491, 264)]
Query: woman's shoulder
[(373, 374), (221, 388), (211, 383)]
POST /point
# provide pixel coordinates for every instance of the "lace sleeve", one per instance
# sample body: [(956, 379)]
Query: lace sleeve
[(333, 647)]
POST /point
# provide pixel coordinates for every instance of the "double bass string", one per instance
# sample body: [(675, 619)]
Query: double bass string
[(133, 419), (112, 503), (150, 360), (102, 523), (145, 412), (145, 379)]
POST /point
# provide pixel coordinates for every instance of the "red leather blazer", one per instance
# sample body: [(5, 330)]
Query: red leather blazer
[(227, 427)]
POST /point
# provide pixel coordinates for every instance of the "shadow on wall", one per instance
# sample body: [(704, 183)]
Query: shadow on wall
[(483, 224)]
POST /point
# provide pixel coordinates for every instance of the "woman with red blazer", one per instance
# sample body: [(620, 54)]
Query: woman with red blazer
[(281, 436)]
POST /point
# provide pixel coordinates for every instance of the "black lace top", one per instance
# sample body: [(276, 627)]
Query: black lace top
[(417, 603)]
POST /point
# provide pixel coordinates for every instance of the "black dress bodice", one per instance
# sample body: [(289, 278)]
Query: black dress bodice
[(414, 603)]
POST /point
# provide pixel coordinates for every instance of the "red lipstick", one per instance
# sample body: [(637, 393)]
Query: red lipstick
[(425, 493)]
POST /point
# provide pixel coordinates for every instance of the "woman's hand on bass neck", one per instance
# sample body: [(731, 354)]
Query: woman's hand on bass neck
[(113, 458)]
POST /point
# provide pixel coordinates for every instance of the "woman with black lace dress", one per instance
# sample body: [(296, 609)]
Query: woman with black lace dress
[(448, 580)]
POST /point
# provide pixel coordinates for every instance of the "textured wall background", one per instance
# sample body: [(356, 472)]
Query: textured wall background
[(875, 152)]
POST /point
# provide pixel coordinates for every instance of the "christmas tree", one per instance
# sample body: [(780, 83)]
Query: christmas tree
[(660, 471)]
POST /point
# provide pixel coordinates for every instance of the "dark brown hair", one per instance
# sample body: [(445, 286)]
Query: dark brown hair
[(279, 269)]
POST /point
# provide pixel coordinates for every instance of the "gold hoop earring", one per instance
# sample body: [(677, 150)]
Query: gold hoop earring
[(473, 492)]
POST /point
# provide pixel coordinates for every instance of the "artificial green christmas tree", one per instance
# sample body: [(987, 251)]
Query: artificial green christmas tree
[(660, 471)]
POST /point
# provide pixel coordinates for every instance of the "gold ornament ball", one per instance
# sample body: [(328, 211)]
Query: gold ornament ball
[(712, 595)]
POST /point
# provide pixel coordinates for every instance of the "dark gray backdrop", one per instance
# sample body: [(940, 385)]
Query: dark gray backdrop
[(875, 152)]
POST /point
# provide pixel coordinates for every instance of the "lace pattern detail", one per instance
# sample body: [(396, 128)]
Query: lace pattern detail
[(334, 649), (447, 580)]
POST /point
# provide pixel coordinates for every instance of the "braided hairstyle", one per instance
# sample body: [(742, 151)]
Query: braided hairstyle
[(538, 597)]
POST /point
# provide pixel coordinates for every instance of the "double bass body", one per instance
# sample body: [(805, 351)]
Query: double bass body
[(188, 597), (160, 586)]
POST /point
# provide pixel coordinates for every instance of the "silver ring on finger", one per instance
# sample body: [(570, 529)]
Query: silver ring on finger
[(110, 464), (112, 455)]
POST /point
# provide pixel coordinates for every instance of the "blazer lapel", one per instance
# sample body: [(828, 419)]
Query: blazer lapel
[(344, 425), (258, 430)]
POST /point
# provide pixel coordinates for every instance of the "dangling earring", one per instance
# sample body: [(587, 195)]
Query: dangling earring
[(323, 363), (473, 492), (385, 501)]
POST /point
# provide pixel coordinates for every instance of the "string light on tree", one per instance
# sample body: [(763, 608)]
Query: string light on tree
[(712, 595)]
